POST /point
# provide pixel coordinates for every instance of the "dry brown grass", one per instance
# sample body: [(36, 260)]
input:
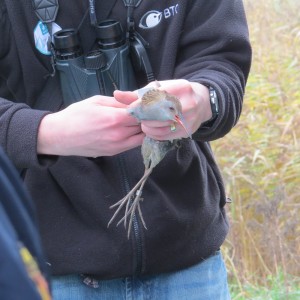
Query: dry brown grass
[(260, 158)]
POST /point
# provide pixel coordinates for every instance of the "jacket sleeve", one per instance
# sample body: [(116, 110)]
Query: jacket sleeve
[(18, 122), (215, 51)]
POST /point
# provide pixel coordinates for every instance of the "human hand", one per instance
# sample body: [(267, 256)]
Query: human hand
[(196, 109), (97, 126)]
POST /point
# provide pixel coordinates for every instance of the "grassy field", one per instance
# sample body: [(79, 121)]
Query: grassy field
[(260, 161)]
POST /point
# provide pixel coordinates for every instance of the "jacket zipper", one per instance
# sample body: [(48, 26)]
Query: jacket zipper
[(135, 223)]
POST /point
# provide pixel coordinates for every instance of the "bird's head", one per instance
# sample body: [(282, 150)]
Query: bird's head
[(173, 111), (170, 108)]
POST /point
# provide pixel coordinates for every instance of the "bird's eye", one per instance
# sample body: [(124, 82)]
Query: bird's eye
[(171, 108)]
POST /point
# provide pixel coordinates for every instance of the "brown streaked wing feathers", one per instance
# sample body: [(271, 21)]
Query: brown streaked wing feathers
[(153, 96)]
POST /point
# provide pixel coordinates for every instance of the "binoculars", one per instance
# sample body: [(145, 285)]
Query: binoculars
[(101, 71)]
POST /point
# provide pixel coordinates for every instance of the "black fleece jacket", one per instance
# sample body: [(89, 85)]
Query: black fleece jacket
[(203, 41)]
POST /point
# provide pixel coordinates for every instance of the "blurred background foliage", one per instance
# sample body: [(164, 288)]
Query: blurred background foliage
[(260, 160)]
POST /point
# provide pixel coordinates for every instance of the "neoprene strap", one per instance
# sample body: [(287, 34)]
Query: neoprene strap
[(46, 10)]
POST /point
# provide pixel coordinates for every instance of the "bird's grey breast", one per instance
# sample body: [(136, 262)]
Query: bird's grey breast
[(154, 151)]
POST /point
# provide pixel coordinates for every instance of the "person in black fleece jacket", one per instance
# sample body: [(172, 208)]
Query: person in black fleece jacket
[(80, 159)]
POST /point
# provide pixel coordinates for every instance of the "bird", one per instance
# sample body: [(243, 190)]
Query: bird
[(156, 104)]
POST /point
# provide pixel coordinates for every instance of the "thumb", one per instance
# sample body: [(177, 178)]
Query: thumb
[(125, 97)]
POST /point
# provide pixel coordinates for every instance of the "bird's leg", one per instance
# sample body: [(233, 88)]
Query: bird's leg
[(136, 205), (136, 201), (126, 199), (130, 208)]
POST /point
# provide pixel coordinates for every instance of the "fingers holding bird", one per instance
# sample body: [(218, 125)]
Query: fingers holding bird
[(163, 130), (194, 98)]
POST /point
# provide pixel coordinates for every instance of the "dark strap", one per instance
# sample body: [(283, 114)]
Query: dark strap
[(137, 42), (46, 10), (132, 3)]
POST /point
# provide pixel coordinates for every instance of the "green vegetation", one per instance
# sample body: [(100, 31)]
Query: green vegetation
[(260, 161), (275, 288)]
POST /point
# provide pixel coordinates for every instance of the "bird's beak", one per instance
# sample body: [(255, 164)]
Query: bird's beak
[(179, 119)]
